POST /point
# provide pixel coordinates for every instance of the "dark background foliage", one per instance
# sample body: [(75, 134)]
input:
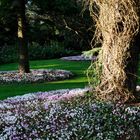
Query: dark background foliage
[(54, 28)]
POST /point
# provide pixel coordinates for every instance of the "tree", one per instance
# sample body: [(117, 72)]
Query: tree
[(65, 18), (117, 25), (14, 11), (21, 34), (7, 23)]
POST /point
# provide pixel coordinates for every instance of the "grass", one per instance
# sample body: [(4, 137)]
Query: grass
[(79, 81)]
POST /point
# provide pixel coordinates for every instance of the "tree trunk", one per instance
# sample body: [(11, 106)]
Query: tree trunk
[(23, 45), (132, 65), (117, 25)]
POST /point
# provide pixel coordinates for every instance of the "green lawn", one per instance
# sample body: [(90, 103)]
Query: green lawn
[(78, 68)]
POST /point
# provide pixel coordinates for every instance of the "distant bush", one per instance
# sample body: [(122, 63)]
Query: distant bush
[(9, 54), (53, 50)]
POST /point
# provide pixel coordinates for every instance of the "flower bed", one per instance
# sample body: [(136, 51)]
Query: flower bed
[(34, 76), (66, 115), (78, 58)]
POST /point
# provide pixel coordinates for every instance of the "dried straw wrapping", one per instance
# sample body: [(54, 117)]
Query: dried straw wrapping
[(117, 23)]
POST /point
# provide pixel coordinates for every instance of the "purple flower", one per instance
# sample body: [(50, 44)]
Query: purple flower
[(46, 106)]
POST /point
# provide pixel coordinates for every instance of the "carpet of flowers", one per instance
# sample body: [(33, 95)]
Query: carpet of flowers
[(66, 115), (34, 76)]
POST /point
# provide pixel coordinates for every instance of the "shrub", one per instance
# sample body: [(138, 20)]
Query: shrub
[(53, 50), (8, 54)]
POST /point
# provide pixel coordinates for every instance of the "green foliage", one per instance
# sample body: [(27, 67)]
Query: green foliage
[(94, 70), (49, 51), (55, 49), (93, 73), (45, 17), (63, 16), (62, 6), (7, 23), (8, 54), (91, 53)]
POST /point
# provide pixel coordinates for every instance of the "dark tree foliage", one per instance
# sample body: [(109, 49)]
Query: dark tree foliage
[(62, 21), (55, 21), (8, 23), (58, 20)]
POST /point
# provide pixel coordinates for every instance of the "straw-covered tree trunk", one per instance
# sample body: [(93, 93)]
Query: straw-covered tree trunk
[(117, 24)]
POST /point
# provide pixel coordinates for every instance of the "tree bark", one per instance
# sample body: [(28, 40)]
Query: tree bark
[(22, 40), (132, 65)]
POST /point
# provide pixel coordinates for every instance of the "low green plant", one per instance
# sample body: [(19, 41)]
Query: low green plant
[(91, 53)]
